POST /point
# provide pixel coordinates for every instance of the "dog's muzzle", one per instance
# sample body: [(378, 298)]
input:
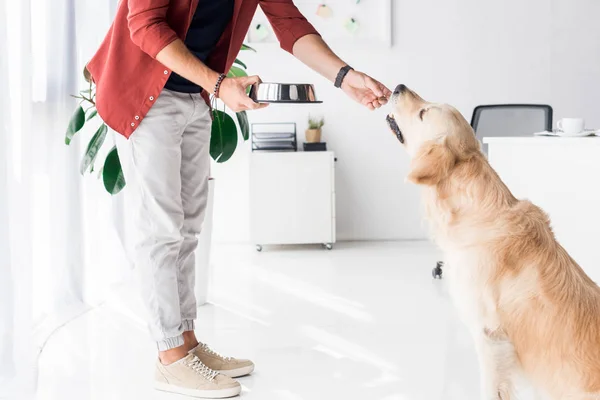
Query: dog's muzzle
[(394, 127)]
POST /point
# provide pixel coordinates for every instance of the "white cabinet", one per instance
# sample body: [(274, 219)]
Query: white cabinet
[(292, 198)]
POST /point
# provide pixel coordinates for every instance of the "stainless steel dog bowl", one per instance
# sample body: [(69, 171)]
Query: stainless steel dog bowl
[(288, 93)]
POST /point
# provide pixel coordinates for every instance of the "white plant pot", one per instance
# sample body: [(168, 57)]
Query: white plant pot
[(203, 271)]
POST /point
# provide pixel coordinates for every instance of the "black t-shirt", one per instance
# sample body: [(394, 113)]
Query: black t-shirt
[(208, 24)]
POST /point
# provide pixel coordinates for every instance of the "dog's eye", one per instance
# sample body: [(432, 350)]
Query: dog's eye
[(421, 113)]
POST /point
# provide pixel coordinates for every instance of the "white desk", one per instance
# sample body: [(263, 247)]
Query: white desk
[(562, 176)]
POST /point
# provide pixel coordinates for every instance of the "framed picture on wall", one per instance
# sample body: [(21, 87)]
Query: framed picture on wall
[(340, 22)]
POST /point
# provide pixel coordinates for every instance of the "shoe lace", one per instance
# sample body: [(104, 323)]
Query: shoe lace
[(214, 353), (202, 369)]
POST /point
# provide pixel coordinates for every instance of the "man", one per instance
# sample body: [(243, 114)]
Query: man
[(154, 73)]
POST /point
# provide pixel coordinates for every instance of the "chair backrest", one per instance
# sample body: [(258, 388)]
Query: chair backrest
[(511, 119)]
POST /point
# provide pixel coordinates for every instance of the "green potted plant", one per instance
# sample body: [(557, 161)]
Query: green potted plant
[(313, 133), (223, 141)]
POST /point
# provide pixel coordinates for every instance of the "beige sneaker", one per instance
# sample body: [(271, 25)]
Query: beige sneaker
[(191, 377), (231, 367)]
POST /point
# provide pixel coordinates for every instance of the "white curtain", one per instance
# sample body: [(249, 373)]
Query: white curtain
[(59, 249)]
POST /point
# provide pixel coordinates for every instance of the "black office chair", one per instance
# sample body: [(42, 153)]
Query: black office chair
[(509, 120), (506, 120)]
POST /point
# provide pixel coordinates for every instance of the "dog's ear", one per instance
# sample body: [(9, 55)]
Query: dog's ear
[(432, 164)]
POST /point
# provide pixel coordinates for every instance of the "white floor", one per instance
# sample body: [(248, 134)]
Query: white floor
[(363, 321)]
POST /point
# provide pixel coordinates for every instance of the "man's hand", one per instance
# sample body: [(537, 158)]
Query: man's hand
[(365, 90), (315, 53), (233, 93)]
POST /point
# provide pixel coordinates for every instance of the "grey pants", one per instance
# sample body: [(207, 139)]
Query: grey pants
[(168, 172)]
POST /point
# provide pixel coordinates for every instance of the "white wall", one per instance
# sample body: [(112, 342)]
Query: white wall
[(463, 52)]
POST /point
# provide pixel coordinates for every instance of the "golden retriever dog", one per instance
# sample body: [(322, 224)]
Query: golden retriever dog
[(531, 309)]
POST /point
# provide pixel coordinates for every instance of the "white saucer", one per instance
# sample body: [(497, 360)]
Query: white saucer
[(556, 132)]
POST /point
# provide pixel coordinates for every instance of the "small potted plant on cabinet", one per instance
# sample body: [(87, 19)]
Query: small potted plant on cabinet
[(313, 133)]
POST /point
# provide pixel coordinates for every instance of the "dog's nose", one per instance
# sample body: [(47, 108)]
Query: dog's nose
[(399, 89)]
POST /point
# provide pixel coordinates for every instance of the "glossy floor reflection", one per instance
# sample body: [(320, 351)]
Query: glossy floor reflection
[(364, 321)]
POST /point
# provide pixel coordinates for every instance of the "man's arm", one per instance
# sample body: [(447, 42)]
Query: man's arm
[(315, 53), (149, 30), (147, 23), (288, 23), (297, 36), (178, 58)]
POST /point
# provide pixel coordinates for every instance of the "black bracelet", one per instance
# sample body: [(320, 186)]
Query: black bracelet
[(218, 85), (341, 75)]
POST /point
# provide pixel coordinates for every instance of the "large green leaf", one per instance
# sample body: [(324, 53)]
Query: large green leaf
[(240, 63), (236, 72), (75, 125), (92, 149), (242, 118), (223, 137), (112, 174), (246, 47)]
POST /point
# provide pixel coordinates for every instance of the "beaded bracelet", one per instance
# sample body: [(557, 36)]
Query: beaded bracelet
[(218, 85)]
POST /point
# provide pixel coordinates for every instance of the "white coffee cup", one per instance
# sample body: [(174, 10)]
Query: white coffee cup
[(571, 126)]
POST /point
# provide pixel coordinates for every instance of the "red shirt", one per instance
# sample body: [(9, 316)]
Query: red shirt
[(127, 75)]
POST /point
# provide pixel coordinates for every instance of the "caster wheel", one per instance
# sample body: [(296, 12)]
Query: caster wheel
[(328, 246), (437, 271), (258, 247)]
